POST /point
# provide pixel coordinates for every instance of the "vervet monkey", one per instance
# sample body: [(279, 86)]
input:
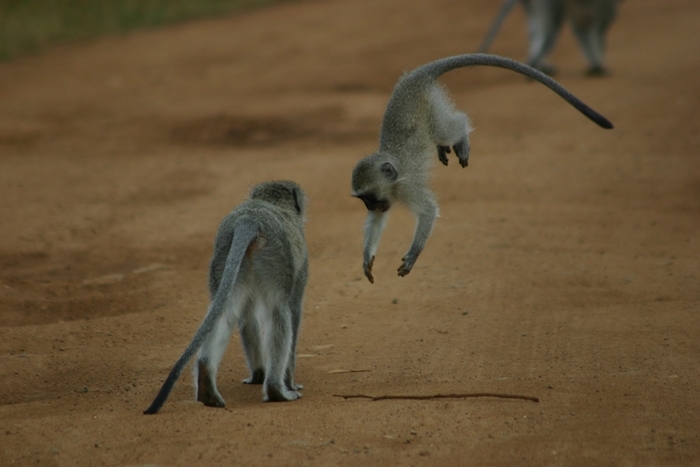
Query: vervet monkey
[(257, 278), (419, 117), (590, 20)]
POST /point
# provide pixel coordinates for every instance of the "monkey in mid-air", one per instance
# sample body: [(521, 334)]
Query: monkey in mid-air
[(590, 20), (257, 278), (420, 117)]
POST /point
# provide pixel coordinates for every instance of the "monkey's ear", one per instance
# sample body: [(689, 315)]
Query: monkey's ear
[(389, 171)]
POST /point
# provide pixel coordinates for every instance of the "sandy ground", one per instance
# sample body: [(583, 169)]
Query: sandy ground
[(565, 266)]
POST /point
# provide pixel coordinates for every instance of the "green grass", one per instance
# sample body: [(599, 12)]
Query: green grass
[(28, 26)]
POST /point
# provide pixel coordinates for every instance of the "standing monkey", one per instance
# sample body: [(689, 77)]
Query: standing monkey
[(257, 278), (590, 20), (420, 117)]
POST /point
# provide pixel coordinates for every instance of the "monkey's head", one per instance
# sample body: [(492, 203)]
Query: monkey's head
[(372, 182), (283, 193)]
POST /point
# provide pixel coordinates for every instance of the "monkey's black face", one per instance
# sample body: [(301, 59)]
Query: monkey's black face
[(373, 204)]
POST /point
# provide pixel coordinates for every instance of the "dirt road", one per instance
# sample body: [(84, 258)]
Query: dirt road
[(565, 264)]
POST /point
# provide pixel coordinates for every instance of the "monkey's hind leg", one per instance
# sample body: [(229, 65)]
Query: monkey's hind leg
[(295, 305), (251, 340), (461, 149), (592, 41), (207, 393), (208, 359), (277, 342), (449, 128), (544, 18)]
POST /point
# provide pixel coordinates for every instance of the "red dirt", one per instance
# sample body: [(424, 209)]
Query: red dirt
[(565, 265)]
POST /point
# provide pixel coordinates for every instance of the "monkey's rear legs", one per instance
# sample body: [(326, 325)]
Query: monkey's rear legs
[(250, 338), (545, 18), (592, 41), (295, 305), (252, 341), (449, 128), (207, 393), (207, 363), (277, 340), (461, 149)]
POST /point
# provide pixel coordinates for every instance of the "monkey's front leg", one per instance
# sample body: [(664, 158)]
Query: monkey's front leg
[(424, 226), (374, 226)]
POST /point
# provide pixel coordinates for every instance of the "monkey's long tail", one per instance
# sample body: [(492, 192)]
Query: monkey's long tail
[(244, 234), (496, 25), (439, 67)]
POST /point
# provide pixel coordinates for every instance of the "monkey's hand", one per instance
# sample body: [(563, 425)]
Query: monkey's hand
[(408, 262), (443, 151), (462, 152), (367, 266)]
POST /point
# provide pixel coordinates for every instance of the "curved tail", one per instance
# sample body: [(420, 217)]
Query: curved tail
[(496, 25), (439, 67), (245, 234)]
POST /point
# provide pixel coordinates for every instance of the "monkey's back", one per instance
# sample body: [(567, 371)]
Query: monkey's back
[(404, 125), (276, 258)]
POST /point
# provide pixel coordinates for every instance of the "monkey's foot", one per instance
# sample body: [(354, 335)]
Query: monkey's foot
[(256, 377), (597, 71), (289, 381), (294, 386), (207, 393), (276, 393), (443, 151), (209, 396), (462, 152), (210, 399)]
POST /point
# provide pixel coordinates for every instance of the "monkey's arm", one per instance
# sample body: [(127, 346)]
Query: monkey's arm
[(424, 226), (374, 226)]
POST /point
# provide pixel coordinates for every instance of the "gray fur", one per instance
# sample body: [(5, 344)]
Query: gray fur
[(257, 278), (420, 117), (590, 21)]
